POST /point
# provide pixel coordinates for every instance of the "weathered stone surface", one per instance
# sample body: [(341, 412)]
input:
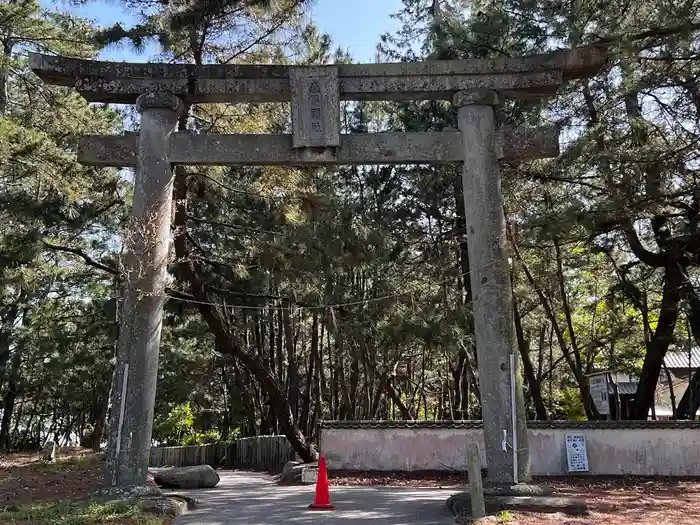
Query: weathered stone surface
[(212, 90), (147, 498), (196, 477), (108, 150), (291, 473), (442, 87), (237, 90), (123, 82), (191, 502), (466, 519), (124, 493), (159, 100), (460, 503), (575, 63), (126, 91), (493, 302), (521, 489), (48, 453), (147, 244), (315, 107), (469, 98), (171, 505), (370, 148)]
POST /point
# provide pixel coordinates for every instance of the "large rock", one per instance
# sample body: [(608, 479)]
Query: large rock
[(291, 473), (171, 506), (197, 477), (147, 498)]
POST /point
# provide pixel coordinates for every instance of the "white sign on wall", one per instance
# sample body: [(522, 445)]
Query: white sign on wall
[(598, 386), (576, 455)]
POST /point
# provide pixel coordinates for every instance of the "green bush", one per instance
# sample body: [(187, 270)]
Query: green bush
[(202, 438)]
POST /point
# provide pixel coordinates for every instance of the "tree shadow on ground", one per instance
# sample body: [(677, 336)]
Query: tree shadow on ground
[(254, 500)]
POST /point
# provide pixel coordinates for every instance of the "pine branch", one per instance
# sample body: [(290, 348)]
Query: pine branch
[(284, 17), (108, 269), (655, 32), (653, 259), (80, 253)]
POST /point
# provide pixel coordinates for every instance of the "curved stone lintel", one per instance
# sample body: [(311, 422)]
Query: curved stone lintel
[(574, 63), (159, 100), (118, 82)]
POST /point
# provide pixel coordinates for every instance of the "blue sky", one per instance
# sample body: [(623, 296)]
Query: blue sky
[(353, 24)]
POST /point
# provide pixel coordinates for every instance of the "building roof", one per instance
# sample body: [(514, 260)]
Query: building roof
[(679, 359), (626, 388), (663, 406), (662, 396)]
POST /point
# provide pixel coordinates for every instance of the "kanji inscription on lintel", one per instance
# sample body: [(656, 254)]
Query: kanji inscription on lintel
[(315, 106)]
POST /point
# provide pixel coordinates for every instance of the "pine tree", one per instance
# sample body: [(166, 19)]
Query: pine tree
[(45, 195)]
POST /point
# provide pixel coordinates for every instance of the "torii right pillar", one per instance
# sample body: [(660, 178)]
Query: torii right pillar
[(501, 400)]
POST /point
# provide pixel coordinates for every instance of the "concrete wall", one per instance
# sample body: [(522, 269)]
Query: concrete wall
[(653, 448)]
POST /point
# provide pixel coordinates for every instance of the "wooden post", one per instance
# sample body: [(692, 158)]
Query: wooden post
[(476, 487)]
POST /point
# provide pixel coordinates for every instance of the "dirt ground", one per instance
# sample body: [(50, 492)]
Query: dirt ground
[(611, 501), (620, 501), (34, 492), (24, 478)]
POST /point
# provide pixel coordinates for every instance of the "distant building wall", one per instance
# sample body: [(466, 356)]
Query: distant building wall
[(646, 448)]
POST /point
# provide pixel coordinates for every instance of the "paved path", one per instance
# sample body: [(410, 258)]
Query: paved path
[(244, 498)]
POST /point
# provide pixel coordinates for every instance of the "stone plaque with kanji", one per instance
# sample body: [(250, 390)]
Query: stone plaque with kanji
[(315, 106)]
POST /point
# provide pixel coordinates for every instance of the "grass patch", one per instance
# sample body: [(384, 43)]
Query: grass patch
[(67, 513), (67, 463), (505, 517)]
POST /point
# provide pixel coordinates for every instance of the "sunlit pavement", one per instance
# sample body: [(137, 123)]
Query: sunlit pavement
[(247, 498)]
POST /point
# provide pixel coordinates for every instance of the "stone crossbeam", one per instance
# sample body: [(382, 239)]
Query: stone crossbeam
[(123, 82), (370, 148)]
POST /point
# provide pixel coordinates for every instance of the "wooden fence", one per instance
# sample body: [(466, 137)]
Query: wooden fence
[(262, 453)]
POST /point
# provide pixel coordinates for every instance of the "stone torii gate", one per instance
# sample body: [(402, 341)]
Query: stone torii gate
[(475, 87)]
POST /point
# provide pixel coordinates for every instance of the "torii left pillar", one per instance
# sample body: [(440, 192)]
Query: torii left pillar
[(147, 242)]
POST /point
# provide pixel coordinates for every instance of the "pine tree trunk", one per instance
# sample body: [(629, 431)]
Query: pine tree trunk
[(458, 377), (8, 405), (658, 344), (292, 370), (690, 402), (396, 398), (304, 421), (528, 369)]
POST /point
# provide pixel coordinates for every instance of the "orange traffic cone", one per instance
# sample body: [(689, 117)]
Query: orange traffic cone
[(322, 501)]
